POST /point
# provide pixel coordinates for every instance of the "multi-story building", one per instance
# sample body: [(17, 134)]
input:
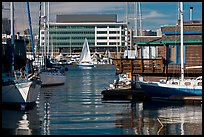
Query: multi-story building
[(67, 34)]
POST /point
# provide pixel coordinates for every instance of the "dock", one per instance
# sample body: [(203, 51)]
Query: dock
[(151, 67), (187, 99), (140, 96), (124, 94)]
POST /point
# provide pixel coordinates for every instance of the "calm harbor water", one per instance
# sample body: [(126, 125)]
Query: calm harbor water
[(77, 108)]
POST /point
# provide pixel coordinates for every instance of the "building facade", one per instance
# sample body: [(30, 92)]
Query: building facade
[(68, 33), (168, 47)]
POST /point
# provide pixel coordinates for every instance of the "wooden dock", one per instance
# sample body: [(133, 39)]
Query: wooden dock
[(151, 67), (140, 95), (124, 94), (187, 99)]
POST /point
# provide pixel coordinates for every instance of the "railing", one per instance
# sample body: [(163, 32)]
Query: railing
[(140, 66)]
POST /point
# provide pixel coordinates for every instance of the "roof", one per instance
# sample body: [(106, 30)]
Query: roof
[(74, 18), (168, 39), (185, 28)]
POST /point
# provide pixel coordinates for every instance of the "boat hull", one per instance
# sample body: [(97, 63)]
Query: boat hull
[(21, 92), (86, 65), (156, 89), (51, 79)]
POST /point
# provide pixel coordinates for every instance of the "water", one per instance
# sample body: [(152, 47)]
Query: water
[(76, 108)]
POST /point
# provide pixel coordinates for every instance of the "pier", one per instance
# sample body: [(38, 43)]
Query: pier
[(139, 95), (124, 94), (151, 67)]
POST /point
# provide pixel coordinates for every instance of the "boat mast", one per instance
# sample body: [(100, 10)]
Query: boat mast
[(39, 24), (48, 28), (12, 34), (182, 54), (45, 34), (70, 50), (135, 14), (140, 17), (31, 33)]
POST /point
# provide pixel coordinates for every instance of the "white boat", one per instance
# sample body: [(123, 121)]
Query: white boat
[(21, 92), (180, 87), (18, 91), (123, 81), (52, 78), (50, 75), (85, 58)]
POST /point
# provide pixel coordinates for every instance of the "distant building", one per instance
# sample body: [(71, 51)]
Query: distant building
[(69, 31), (6, 26), (149, 33)]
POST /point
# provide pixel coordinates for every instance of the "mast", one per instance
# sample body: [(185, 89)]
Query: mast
[(45, 34), (48, 28), (52, 56), (135, 14), (140, 17), (182, 54), (31, 33), (70, 50), (126, 12), (12, 34), (39, 23)]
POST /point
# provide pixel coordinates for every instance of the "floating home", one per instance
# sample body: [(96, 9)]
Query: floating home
[(160, 55)]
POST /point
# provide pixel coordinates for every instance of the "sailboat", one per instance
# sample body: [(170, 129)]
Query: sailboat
[(22, 91), (50, 75), (178, 87), (85, 57)]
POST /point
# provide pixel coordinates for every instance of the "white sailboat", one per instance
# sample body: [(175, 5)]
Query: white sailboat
[(180, 87), (50, 76), (18, 91), (85, 57)]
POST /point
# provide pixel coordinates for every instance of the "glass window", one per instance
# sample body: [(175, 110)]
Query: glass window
[(101, 32), (101, 43), (101, 26), (113, 26), (101, 37)]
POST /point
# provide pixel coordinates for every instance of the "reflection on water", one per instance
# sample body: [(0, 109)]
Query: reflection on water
[(23, 126), (16, 122), (152, 119), (76, 108)]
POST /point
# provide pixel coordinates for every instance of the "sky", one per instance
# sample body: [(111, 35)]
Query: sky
[(154, 14)]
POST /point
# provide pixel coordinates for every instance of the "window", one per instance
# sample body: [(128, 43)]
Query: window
[(101, 43), (174, 54), (112, 43), (149, 52), (114, 38), (101, 26), (113, 26), (114, 32), (101, 32), (101, 37)]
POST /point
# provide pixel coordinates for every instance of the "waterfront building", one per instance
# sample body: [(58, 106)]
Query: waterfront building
[(167, 46), (102, 31)]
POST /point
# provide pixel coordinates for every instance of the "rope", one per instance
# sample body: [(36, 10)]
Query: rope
[(161, 126)]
